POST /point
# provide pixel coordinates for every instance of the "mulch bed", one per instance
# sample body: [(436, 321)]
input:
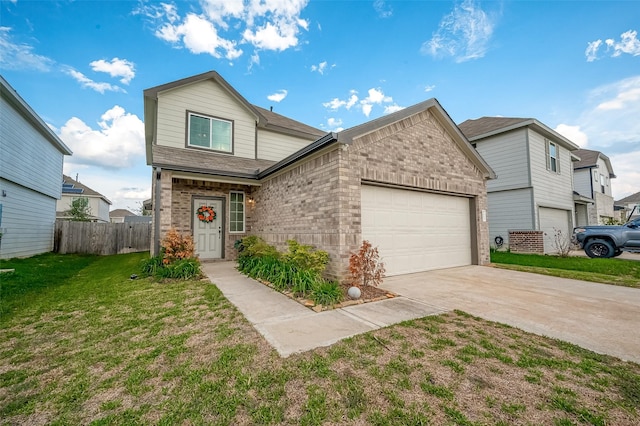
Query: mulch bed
[(368, 294)]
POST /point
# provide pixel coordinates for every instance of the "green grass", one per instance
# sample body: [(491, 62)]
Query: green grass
[(95, 347), (609, 271)]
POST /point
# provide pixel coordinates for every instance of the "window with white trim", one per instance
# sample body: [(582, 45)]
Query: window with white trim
[(209, 133), (236, 212), (553, 164)]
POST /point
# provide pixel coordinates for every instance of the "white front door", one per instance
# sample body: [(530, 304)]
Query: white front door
[(207, 234)]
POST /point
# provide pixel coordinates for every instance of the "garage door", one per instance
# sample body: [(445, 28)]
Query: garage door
[(416, 231), (550, 221)]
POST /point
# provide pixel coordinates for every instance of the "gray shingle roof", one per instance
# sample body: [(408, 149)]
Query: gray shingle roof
[(120, 213), (288, 123), (86, 191), (480, 126), (194, 160), (587, 158), (633, 198)]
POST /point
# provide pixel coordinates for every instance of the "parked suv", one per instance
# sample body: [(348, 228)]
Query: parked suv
[(608, 241)]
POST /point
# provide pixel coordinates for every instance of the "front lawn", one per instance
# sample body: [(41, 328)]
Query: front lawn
[(609, 271), (99, 348)]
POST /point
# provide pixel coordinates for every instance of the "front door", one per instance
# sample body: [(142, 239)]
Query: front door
[(207, 228)]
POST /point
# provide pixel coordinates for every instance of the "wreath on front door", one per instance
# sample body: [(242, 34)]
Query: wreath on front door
[(206, 214)]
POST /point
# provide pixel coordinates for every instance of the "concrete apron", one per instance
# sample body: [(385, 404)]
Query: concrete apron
[(600, 317), (291, 328)]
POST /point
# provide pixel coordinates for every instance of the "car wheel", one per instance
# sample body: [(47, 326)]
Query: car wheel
[(599, 248), (617, 253)]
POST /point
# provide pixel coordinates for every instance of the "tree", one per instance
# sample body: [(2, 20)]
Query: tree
[(80, 210)]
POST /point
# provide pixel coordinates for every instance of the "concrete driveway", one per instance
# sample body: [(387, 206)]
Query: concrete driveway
[(600, 317)]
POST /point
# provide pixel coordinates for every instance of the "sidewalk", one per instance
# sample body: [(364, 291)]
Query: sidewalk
[(291, 328)]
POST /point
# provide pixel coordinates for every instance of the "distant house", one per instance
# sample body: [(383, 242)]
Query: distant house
[(72, 190), (118, 215), (30, 172), (627, 206), (533, 190), (592, 176)]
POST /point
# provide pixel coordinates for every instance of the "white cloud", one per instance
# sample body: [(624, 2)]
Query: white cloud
[(218, 27), (429, 88), (383, 8), (116, 68), (376, 97), (628, 44), (574, 134), (610, 124), (335, 124), (198, 35), (278, 96), (464, 34), (388, 109), (366, 109), (118, 142), (16, 56), (86, 82), (321, 67), (592, 50)]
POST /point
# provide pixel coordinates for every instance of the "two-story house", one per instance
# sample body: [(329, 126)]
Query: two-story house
[(31, 158), (224, 168), (629, 207), (533, 190), (592, 176), (98, 204)]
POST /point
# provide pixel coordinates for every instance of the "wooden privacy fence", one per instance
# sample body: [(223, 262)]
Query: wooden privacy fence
[(101, 238)]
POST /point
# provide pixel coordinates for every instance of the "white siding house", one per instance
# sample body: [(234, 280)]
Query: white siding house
[(30, 177), (534, 185), (71, 190), (592, 176)]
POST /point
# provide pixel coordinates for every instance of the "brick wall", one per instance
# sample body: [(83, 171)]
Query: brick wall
[(318, 202), (526, 242)]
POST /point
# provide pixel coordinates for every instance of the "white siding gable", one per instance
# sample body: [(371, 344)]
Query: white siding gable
[(209, 98), (507, 155), (28, 158), (582, 182), (551, 189), (276, 146)]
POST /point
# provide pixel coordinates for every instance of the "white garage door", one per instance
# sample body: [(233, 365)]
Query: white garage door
[(552, 220), (416, 231)]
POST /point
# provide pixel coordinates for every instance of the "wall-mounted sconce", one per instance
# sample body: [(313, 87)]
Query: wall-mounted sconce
[(4, 192), (251, 201)]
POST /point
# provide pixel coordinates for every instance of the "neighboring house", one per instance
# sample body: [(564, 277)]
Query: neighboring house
[(533, 190), (72, 190), (118, 215), (627, 206), (31, 158), (409, 182), (592, 176)]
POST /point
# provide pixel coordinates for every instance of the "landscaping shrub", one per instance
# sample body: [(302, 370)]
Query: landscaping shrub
[(327, 293), (306, 257), (177, 259), (365, 266)]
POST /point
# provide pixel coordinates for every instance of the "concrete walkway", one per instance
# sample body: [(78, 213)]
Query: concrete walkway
[(291, 328), (599, 317)]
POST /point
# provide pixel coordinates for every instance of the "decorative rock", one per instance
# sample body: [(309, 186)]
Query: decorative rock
[(354, 292), (317, 308), (390, 295), (309, 303)]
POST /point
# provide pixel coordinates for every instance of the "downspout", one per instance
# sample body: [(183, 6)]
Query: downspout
[(156, 208)]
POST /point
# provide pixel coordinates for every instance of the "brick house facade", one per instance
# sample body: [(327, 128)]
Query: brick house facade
[(314, 195)]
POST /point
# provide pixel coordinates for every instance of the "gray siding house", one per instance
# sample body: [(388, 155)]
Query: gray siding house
[(30, 177), (534, 185), (223, 168), (592, 176)]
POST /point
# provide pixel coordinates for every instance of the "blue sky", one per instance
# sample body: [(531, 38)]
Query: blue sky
[(82, 66)]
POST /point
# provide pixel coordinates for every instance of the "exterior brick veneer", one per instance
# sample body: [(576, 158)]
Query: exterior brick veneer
[(526, 241), (318, 201)]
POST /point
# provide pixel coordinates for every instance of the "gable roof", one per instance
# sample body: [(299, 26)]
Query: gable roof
[(73, 187), (265, 119), (485, 127), (121, 213), (633, 198), (347, 136), (589, 158), (12, 96)]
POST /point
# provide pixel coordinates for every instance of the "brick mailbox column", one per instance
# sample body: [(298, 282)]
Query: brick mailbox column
[(526, 242)]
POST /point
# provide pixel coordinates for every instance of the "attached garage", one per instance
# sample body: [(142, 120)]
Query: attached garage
[(417, 231), (551, 221)]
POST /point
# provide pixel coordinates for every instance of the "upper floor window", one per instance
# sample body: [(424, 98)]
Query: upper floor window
[(553, 164), (602, 183), (210, 133)]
